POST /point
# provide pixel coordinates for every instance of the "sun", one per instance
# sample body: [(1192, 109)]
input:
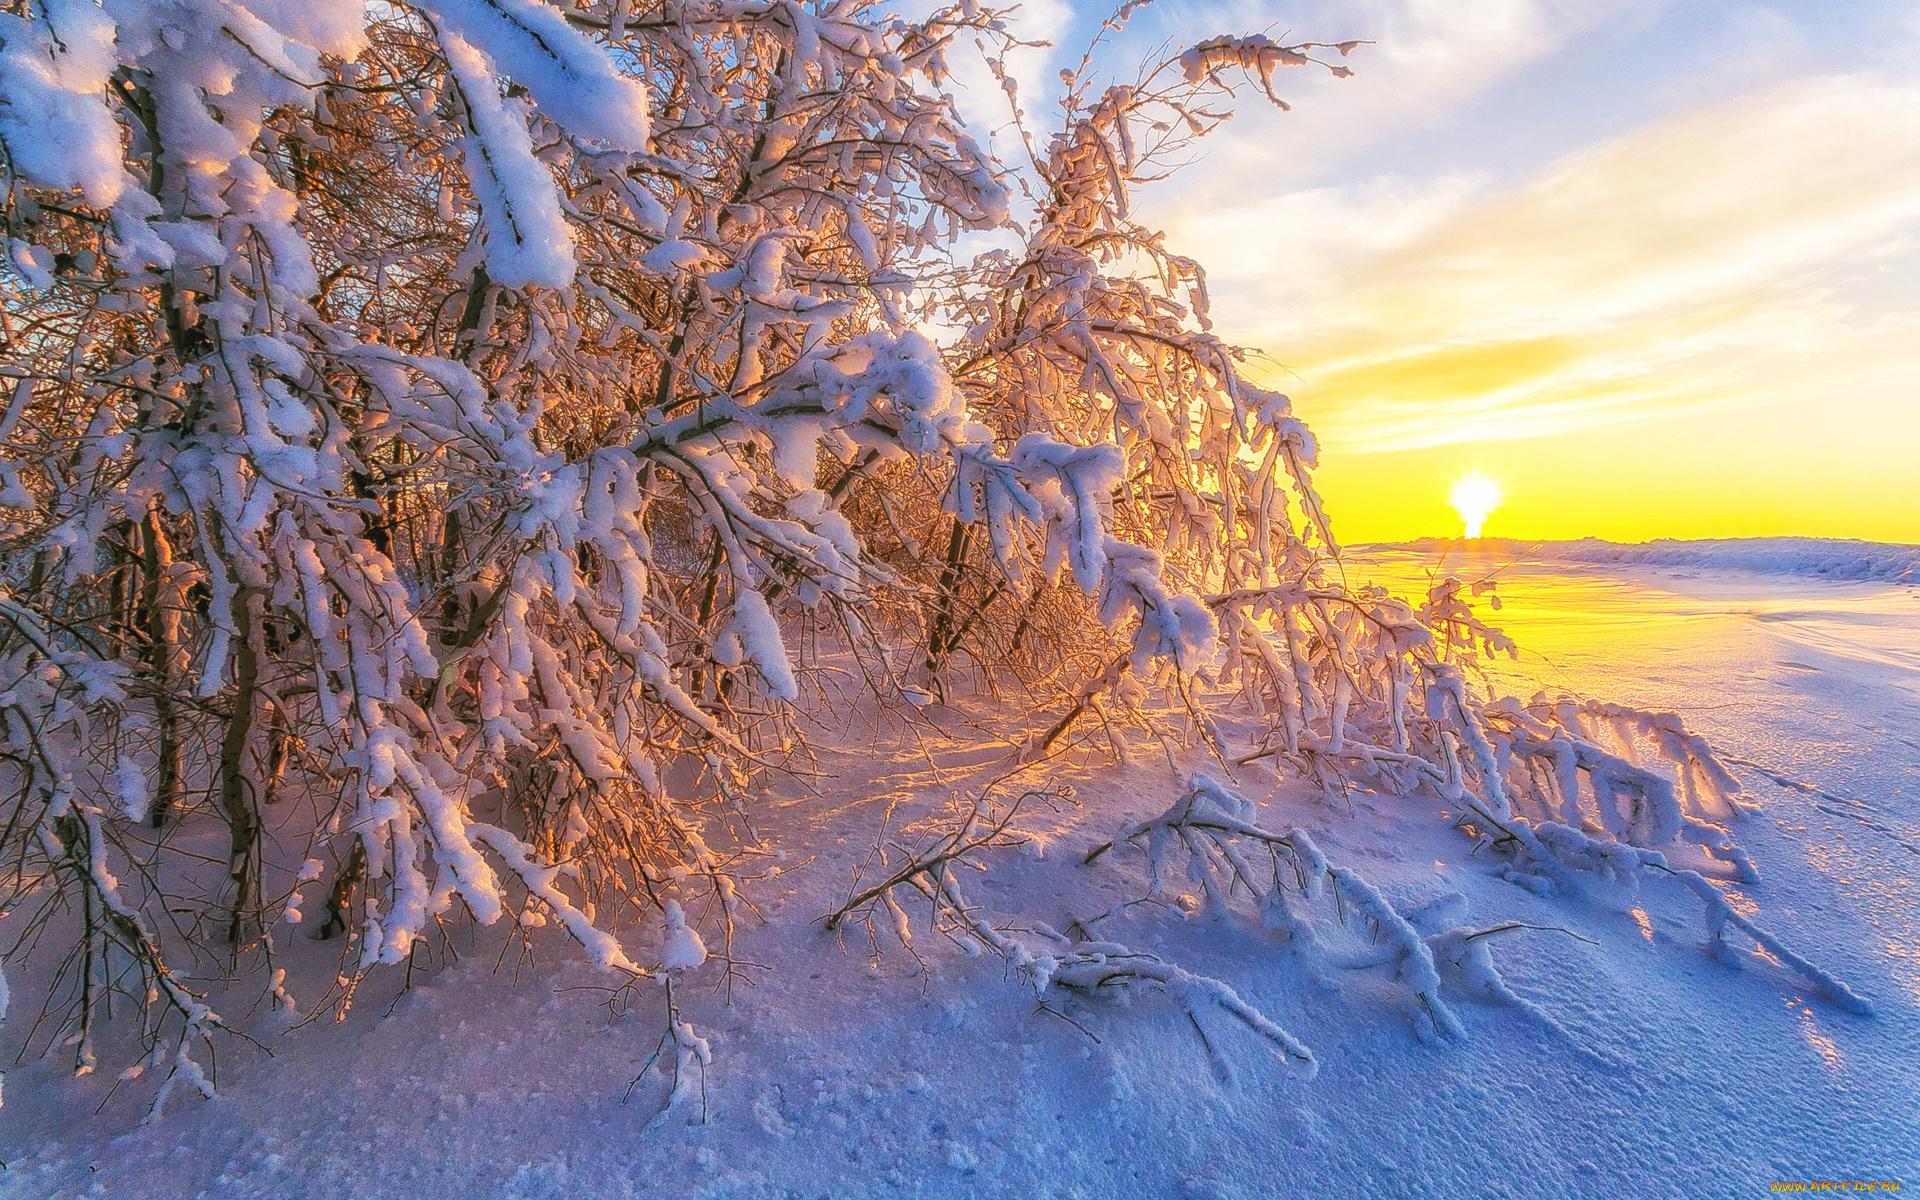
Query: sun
[(1474, 497)]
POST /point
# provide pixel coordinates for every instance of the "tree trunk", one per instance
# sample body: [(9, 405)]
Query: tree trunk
[(238, 798), (160, 618), (946, 602)]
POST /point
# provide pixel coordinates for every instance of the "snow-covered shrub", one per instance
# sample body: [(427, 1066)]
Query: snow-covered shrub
[(1212, 828), (453, 416), (446, 436), (1213, 832), (1279, 886), (1035, 956)]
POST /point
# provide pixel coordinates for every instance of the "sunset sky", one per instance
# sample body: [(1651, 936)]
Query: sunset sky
[(1655, 267)]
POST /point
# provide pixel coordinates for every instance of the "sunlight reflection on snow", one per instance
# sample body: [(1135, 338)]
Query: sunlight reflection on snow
[(1761, 664), (1645, 922), (1828, 1049)]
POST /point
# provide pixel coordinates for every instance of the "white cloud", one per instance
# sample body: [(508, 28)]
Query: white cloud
[(980, 98), (1430, 60)]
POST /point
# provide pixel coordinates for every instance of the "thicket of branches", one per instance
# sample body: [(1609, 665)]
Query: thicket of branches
[(459, 433)]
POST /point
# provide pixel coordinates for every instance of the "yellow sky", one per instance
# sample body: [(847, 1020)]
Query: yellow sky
[(1691, 476)]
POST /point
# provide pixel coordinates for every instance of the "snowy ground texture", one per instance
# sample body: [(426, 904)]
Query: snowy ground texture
[(1826, 558), (1669, 1073)]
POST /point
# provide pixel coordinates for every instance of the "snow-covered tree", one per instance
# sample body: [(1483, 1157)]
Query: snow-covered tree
[(433, 430)]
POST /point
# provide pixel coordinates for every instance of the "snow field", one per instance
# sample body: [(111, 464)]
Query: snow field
[(1635, 1063)]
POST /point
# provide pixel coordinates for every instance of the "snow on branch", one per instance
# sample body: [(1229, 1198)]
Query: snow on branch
[(1037, 957), (573, 81), (1213, 829), (1258, 55), (510, 427), (528, 241)]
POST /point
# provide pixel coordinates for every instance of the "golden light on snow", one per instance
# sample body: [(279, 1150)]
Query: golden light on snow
[(1474, 497)]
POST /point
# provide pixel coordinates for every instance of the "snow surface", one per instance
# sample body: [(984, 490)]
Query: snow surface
[(1828, 558), (1638, 1066)]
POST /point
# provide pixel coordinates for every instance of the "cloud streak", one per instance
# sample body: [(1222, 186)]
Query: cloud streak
[(1719, 256)]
